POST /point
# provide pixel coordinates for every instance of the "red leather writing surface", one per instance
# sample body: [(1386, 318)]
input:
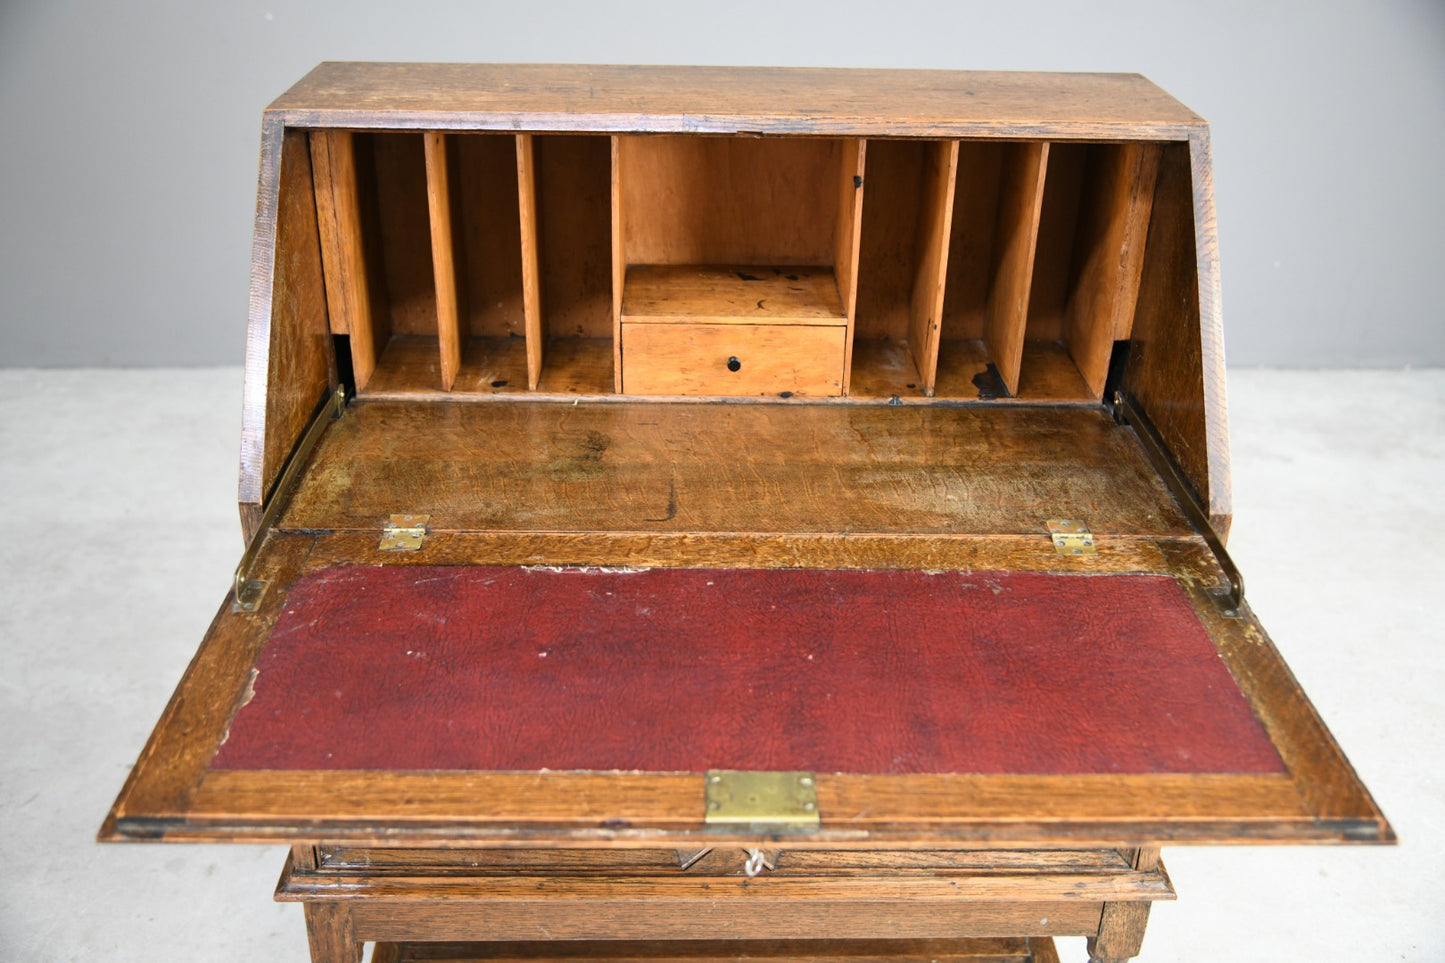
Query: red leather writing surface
[(685, 670)]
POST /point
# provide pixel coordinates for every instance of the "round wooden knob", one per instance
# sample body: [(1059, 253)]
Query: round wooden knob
[(734, 364)]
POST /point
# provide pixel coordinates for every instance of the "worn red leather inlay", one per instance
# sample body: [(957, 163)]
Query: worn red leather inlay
[(673, 670)]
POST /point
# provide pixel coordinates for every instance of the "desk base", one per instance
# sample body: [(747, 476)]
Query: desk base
[(639, 906), (1018, 950)]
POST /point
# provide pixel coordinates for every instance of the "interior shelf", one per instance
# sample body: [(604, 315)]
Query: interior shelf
[(722, 294)]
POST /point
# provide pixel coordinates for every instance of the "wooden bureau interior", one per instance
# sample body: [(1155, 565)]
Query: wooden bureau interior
[(640, 264), (573, 323)]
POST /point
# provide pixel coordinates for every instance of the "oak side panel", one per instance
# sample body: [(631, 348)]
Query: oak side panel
[(1176, 365), (536, 330), (934, 228), (1021, 192), (446, 248), (289, 365), (690, 467), (1109, 254)]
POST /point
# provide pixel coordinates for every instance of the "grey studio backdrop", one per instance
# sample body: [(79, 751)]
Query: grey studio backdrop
[(127, 179)]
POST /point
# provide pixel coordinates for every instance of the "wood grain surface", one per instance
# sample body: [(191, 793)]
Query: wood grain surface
[(1176, 366), (708, 200), (859, 103), (1004, 950), (289, 362), (448, 256), (926, 304), (173, 794), (678, 468), (731, 294), (1021, 193)]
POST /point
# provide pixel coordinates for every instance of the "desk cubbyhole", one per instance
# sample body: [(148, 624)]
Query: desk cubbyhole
[(901, 261), (566, 225), (371, 199), (1044, 255), (735, 259)]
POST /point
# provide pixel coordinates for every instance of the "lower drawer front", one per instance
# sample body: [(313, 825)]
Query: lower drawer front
[(732, 359)]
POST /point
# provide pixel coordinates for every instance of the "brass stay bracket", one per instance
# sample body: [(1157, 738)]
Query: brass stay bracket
[(248, 592), (1229, 598)]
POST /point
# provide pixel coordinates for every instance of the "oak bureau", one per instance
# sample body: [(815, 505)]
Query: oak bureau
[(702, 513)]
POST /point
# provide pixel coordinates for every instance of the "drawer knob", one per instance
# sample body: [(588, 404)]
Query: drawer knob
[(734, 364)]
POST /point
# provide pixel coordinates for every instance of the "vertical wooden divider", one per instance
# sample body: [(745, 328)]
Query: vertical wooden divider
[(1021, 196), (536, 331), (925, 311), (443, 204), (1113, 227), (619, 263), (343, 254), (846, 234)]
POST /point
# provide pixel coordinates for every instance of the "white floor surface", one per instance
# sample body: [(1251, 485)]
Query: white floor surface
[(120, 535)]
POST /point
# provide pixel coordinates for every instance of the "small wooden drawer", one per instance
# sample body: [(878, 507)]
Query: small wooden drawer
[(732, 359)]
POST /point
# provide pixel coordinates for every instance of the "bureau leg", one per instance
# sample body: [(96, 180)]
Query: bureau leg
[(329, 930), (1121, 926), (1121, 933)]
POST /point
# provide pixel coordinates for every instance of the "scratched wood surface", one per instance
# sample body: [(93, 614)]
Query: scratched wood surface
[(998, 950), (173, 793), (918, 103), (536, 466)]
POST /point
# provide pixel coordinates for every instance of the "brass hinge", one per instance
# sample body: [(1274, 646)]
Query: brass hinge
[(1071, 536), (404, 533), (761, 800)]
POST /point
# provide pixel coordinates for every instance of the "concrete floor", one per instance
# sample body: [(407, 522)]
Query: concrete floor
[(118, 491)]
